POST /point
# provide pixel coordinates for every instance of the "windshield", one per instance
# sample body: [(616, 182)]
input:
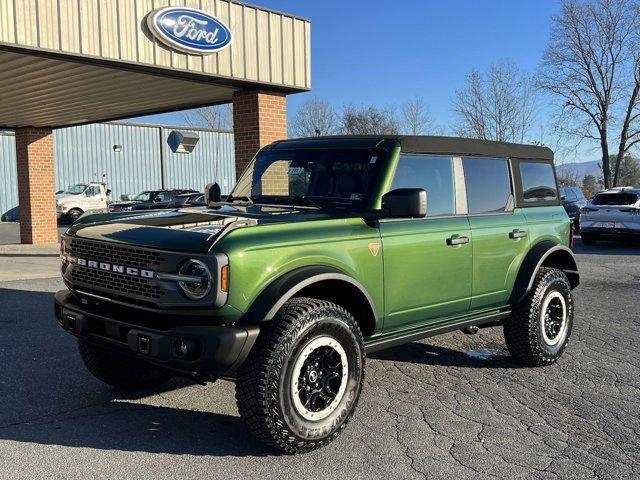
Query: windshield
[(311, 177), (615, 199), (76, 189), (143, 197)]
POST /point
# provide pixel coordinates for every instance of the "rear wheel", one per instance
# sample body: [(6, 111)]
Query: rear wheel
[(539, 329), (302, 382), (118, 371)]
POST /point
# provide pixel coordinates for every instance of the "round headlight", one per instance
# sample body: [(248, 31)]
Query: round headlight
[(200, 286)]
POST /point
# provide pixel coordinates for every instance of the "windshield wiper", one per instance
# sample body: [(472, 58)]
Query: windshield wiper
[(241, 198), (308, 201)]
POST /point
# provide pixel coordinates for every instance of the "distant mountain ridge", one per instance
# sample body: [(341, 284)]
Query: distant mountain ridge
[(580, 169)]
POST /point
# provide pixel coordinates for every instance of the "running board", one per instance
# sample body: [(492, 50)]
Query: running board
[(385, 343)]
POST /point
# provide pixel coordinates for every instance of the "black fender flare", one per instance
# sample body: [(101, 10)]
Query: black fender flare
[(279, 291), (560, 256)]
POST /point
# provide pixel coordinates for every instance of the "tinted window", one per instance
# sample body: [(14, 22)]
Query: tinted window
[(434, 174), (615, 199), (538, 181), (488, 185), (163, 197)]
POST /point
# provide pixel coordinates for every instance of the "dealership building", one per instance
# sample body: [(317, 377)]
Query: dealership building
[(69, 64)]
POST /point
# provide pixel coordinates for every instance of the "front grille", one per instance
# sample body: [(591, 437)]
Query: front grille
[(113, 281), (116, 282), (113, 253)]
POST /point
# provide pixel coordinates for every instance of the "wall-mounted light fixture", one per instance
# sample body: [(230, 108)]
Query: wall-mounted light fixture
[(117, 148)]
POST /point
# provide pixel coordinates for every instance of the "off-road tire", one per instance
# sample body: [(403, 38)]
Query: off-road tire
[(263, 388), (118, 371), (588, 239), (523, 331)]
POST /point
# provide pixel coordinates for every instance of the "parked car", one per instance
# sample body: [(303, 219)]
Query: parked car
[(613, 214), (148, 200), (573, 200), (80, 198), (327, 248), (189, 200)]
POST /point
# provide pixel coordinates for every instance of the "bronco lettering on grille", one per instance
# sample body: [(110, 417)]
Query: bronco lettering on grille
[(109, 267)]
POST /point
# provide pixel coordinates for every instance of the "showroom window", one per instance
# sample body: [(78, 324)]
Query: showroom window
[(488, 185), (433, 174)]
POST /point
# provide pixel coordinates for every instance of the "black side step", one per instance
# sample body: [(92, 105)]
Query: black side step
[(385, 343)]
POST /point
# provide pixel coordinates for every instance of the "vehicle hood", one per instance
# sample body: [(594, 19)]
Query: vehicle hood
[(192, 229), (63, 197)]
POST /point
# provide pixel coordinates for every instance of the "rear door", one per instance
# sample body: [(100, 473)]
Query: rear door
[(499, 231), (427, 261)]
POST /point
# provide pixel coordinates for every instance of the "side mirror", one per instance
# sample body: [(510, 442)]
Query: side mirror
[(212, 193), (405, 203), (563, 198)]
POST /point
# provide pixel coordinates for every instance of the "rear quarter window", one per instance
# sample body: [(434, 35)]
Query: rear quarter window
[(536, 182), (488, 185)]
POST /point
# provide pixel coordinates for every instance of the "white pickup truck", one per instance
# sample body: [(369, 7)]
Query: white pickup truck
[(80, 198)]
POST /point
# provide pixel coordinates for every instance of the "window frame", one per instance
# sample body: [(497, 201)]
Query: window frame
[(512, 185), (517, 177), (457, 210)]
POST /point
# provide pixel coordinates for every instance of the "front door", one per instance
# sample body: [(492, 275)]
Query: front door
[(427, 262)]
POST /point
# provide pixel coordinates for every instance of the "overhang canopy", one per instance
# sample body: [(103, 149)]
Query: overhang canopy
[(95, 60)]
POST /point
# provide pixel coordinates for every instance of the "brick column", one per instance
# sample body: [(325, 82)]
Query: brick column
[(259, 118), (36, 185)]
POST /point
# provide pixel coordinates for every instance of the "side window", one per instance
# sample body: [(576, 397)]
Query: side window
[(488, 185), (93, 191), (538, 182), (163, 197), (435, 175)]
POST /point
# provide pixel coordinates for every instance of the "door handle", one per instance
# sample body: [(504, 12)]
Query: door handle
[(517, 234), (457, 240)]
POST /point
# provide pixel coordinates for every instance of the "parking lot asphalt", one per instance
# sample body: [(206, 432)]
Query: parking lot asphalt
[(453, 406)]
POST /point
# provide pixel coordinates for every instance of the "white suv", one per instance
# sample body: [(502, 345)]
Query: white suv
[(613, 213)]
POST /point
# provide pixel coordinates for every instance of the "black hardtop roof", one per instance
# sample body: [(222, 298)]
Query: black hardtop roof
[(422, 144)]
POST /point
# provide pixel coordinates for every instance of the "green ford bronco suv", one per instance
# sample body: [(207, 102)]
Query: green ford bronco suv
[(326, 249)]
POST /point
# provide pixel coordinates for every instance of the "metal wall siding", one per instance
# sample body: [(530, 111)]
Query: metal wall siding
[(8, 174), (116, 30), (86, 153), (213, 160)]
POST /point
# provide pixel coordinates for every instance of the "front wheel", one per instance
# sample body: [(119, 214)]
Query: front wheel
[(539, 329), (302, 382), (73, 215)]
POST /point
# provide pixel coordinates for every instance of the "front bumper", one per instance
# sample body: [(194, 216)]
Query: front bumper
[(611, 232), (196, 351)]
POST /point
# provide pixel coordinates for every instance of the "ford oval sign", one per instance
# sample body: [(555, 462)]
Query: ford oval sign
[(189, 30)]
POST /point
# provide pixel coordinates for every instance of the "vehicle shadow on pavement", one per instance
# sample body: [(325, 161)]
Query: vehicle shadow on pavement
[(47, 396), (424, 353)]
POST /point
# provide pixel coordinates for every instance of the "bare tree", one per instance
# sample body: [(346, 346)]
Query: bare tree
[(370, 120), (217, 117), (591, 66), (497, 105), (314, 117), (416, 117)]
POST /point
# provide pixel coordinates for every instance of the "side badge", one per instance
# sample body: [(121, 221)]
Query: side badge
[(374, 248)]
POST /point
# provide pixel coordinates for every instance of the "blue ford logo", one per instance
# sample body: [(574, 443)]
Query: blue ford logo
[(189, 30)]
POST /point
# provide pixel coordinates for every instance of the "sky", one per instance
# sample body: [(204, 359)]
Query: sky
[(385, 53)]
